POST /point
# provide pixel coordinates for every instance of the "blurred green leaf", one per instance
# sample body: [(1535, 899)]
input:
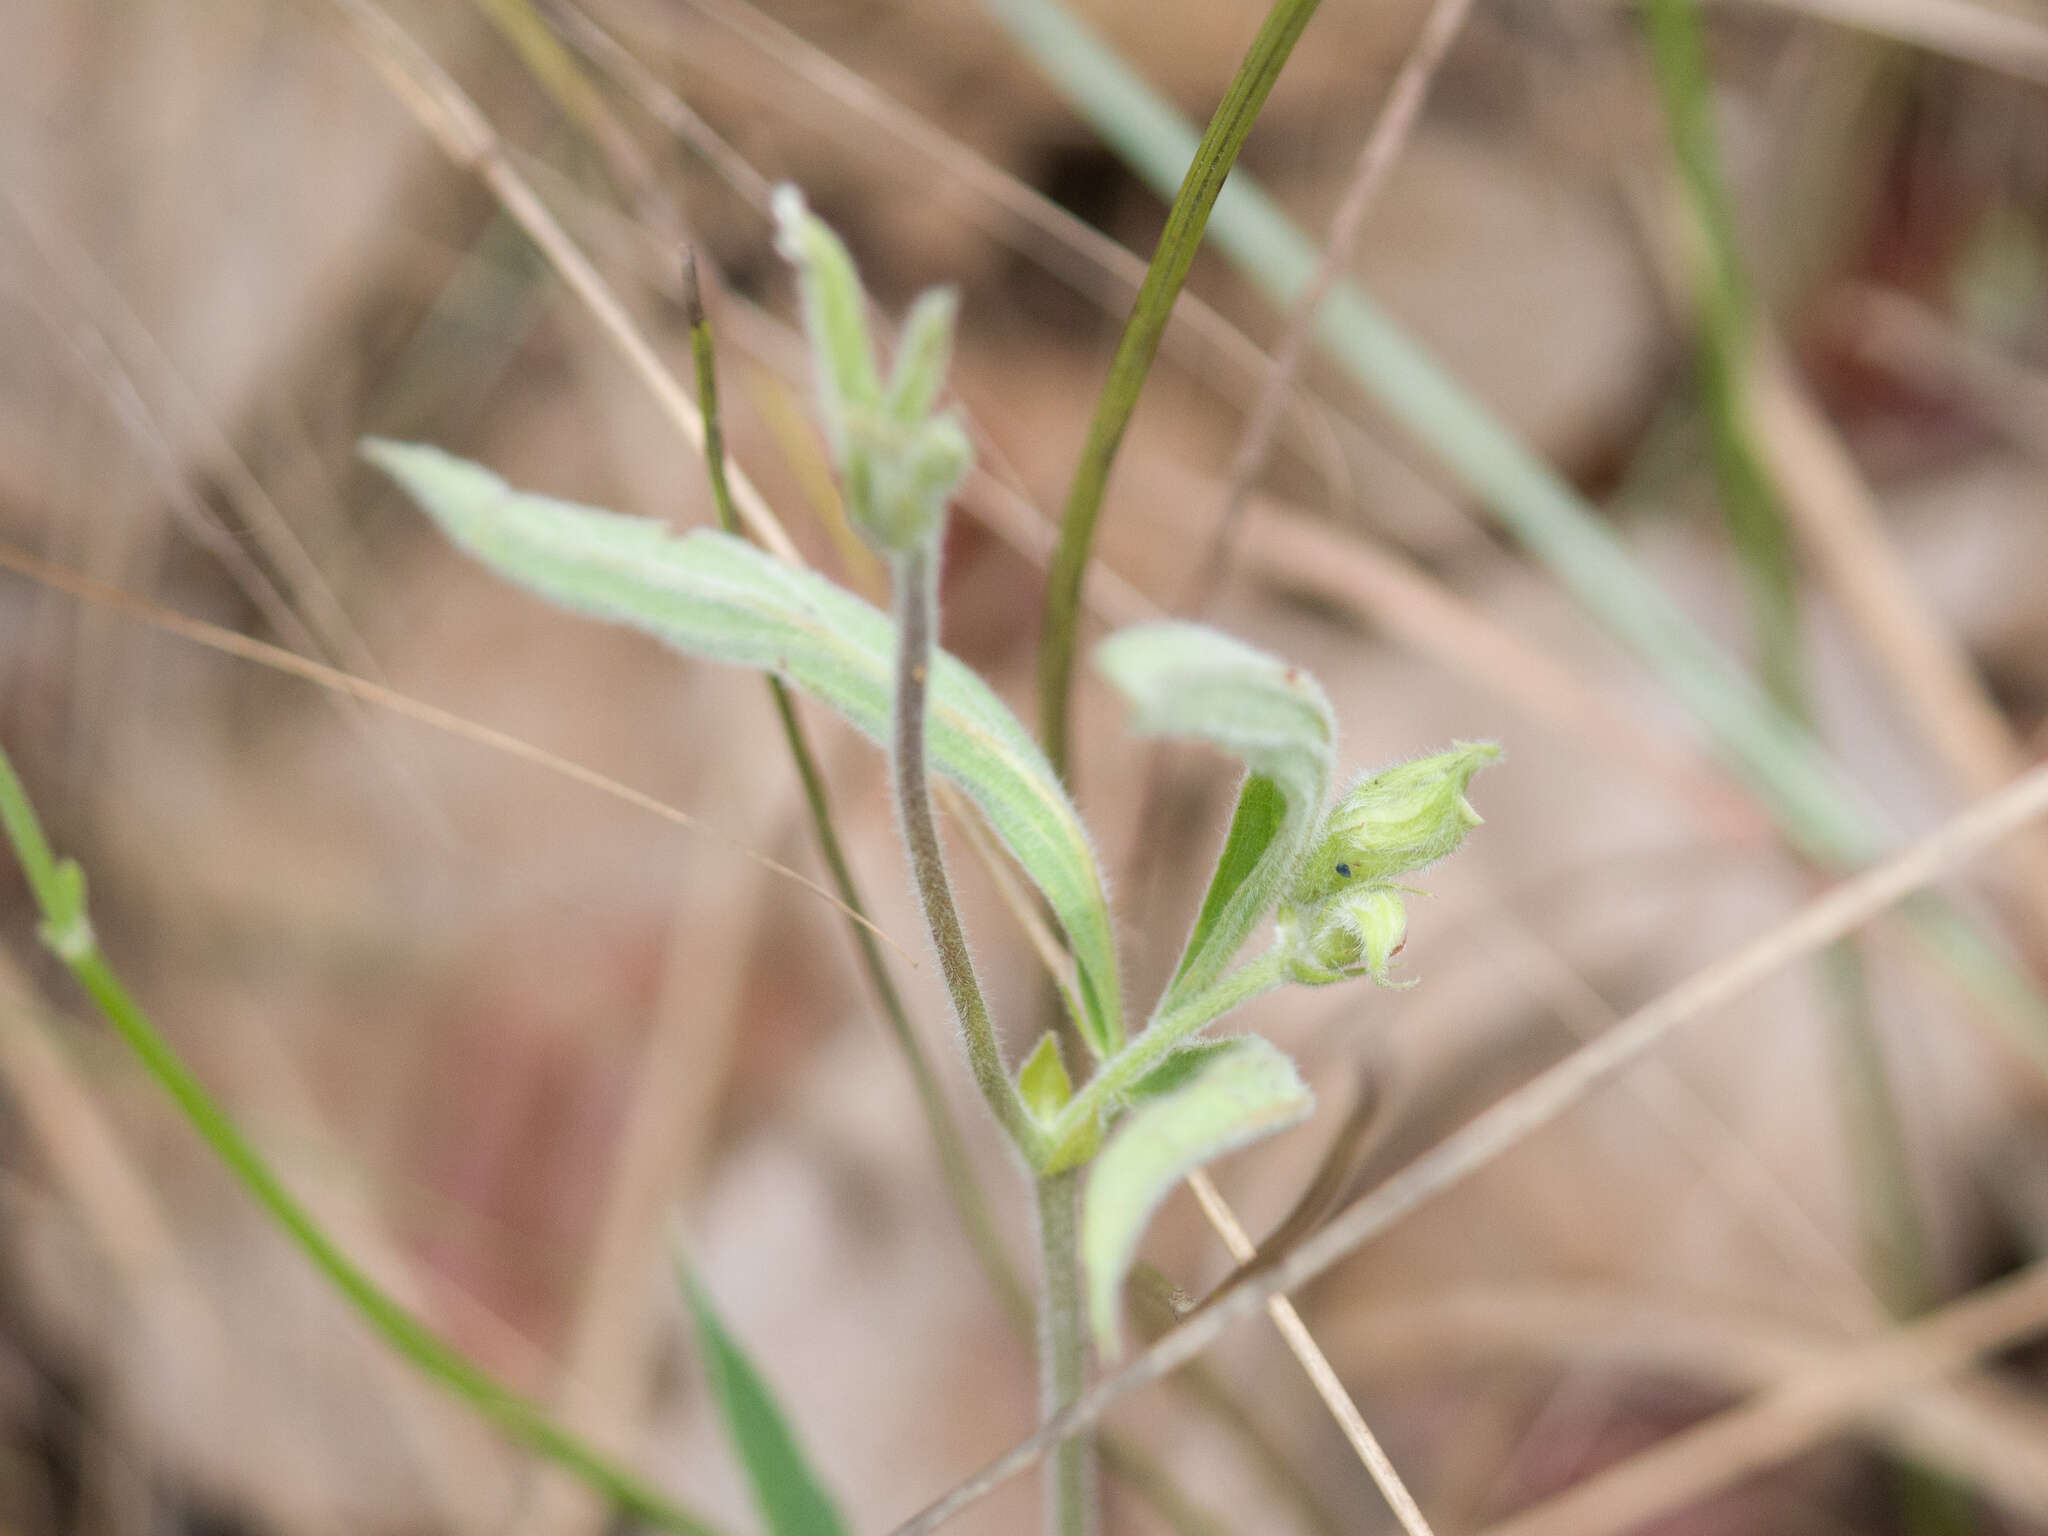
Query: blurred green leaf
[(835, 318), (717, 596), (1189, 680), (791, 1500), (1223, 1095), (923, 353)]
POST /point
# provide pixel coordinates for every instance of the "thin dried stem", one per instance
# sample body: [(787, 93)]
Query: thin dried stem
[(1926, 666), (1793, 1416), (1529, 1108), (1979, 1431), (1369, 173), (1321, 1374), (1990, 37), (229, 643), (467, 138), (1009, 210)]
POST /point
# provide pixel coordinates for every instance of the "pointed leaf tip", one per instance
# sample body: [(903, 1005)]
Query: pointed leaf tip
[(792, 1500)]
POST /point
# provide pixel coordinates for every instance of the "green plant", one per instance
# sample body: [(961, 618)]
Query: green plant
[(1157, 1103)]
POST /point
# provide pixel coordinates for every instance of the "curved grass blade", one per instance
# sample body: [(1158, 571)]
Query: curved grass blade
[(1204, 169), (717, 596), (792, 1500), (1189, 680), (59, 889), (1201, 1102)]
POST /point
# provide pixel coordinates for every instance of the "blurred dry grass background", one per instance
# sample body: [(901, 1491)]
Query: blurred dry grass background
[(496, 1027)]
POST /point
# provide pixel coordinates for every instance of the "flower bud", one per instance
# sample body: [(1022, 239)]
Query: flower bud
[(1358, 929), (898, 463), (1394, 821)]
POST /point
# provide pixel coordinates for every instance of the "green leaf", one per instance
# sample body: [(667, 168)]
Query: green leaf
[(1261, 812), (1043, 1080), (1230, 1093), (1182, 1066), (1188, 680), (791, 1499), (716, 596)]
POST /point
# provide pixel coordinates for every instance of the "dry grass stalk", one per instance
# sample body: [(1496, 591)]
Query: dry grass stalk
[(1369, 173), (1840, 523), (1984, 1433), (467, 138), (229, 643), (1793, 1416), (1991, 37), (1314, 1363)]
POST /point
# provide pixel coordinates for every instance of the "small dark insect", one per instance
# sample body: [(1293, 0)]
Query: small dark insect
[(1344, 870)]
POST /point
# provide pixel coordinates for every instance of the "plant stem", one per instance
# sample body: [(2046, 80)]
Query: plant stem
[(1185, 222), (917, 585), (1165, 1032), (1062, 1355), (951, 1147), (70, 936)]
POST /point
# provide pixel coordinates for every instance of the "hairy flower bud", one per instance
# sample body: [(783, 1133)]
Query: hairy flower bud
[(1358, 930), (1392, 822), (898, 462)]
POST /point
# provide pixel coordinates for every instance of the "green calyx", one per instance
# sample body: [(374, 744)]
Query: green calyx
[(1355, 933), (1393, 822), (1343, 914)]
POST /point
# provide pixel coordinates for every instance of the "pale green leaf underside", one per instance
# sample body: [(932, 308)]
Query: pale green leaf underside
[(793, 1502), (1189, 680), (719, 597), (1244, 1089)]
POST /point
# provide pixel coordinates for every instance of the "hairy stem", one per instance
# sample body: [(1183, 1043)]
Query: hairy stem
[(954, 1164), (1062, 1355), (916, 583), (1166, 1031)]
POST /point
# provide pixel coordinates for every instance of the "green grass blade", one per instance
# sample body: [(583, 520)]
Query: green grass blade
[(60, 895), (1199, 179), (1727, 316), (792, 1500), (716, 596)]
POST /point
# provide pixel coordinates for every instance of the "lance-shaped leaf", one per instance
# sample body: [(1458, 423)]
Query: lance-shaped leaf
[(1189, 680), (719, 597), (1224, 1094), (793, 1502)]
